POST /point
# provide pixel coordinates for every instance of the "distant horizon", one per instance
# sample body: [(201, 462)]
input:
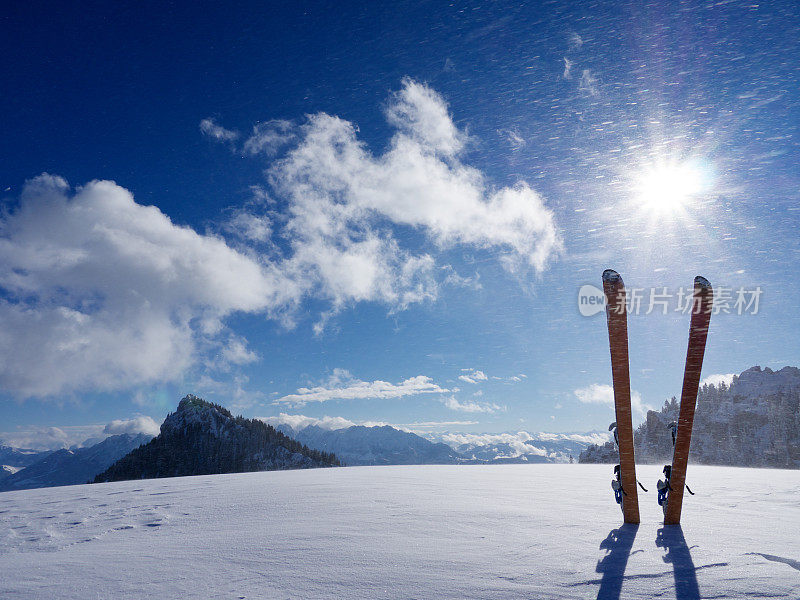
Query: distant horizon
[(76, 436)]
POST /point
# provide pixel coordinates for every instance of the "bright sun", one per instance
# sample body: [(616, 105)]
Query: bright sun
[(666, 189)]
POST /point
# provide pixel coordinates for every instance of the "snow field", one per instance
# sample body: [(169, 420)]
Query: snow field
[(510, 531)]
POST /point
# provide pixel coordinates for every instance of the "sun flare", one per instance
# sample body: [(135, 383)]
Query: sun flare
[(666, 189)]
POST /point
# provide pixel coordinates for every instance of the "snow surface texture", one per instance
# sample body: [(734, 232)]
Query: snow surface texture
[(510, 531)]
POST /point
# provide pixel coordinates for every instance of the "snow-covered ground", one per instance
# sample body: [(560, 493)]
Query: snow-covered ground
[(515, 531)]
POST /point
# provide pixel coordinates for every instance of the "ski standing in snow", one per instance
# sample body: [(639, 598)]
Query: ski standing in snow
[(670, 491), (624, 484)]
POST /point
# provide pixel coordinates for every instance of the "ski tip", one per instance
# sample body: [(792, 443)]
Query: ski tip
[(702, 282), (611, 275)]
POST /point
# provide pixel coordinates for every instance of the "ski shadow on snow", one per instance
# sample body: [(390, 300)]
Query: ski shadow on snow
[(795, 564), (671, 538), (618, 544)]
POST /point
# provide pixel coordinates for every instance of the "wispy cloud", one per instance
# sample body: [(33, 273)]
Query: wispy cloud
[(337, 192), (598, 393), (473, 376), (512, 378), (589, 83), (471, 407), (234, 391), (65, 436), (567, 68), (435, 424), (236, 352), (249, 225), (343, 386), (268, 138), (45, 438), (717, 378), (298, 422), (519, 443), (210, 128), (141, 424), (513, 137)]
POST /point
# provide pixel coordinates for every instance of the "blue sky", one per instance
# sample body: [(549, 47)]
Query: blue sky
[(385, 213)]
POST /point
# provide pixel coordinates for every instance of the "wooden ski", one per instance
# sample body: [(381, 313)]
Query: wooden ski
[(617, 315), (702, 303)]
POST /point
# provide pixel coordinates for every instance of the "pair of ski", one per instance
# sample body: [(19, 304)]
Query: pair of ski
[(625, 488)]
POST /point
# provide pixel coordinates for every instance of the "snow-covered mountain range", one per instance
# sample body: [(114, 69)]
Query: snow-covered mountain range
[(70, 467), (19, 458), (200, 437), (359, 445), (386, 445), (521, 446)]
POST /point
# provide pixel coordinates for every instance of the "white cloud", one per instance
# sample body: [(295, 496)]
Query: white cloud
[(519, 443), (567, 68), (473, 376), (135, 425), (342, 198), (454, 279), (471, 407), (298, 422), (575, 41), (512, 379), (210, 128), (37, 438), (586, 438), (434, 424), (513, 137), (588, 83), (343, 202), (103, 293), (249, 226), (343, 386), (421, 115), (236, 352), (716, 379), (598, 393), (268, 138), (231, 392), (516, 441), (66, 436)]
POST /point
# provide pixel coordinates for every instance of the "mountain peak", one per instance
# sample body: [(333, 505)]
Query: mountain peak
[(758, 381), (194, 411), (190, 402), (202, 438)]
